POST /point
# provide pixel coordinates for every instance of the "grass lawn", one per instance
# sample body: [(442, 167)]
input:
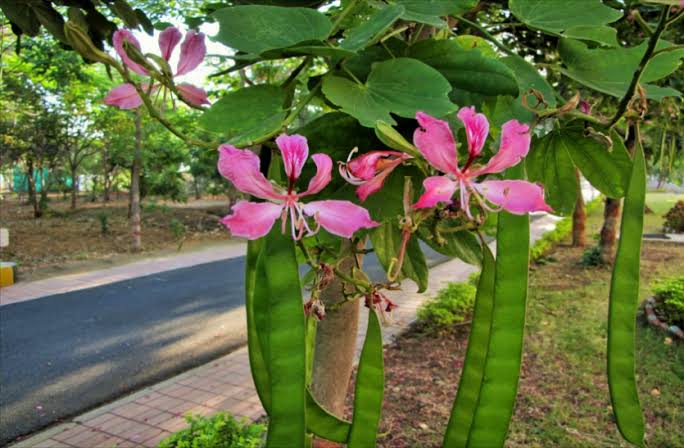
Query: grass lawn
[(660, 203), (563, 396)]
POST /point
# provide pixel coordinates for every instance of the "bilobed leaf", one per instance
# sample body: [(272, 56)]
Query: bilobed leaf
[(611, 70), (256, 28), (400, 86), (50, 19), (314, 50), (466, 70), (552, 159), (607, 169), (559, 16), (246, 114), (372, 29), (386, 240), (549, 163), (430, 11)]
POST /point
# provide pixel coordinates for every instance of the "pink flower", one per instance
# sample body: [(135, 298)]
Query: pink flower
[(437, 144), (253, 220), (193, 50), (370, 170)]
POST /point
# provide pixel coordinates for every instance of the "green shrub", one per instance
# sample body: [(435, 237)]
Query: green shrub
[(219, 431), (674, 219), (592, 257), (451, 306), (669, 295)]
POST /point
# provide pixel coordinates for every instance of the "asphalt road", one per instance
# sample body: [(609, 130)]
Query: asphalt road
[(64, 354)]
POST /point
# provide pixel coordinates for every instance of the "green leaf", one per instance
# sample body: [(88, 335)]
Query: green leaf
[(624, 301), (549, 163), (528, 78), (256, 28), (370, 387), (50, 19), (585, 19), (401, 86), (602, 34), (552, 159), (372, 29), (21, 14), (470, 42), (469, 71), (124, 11), (608, 170), (314, 50), (430, 11), (286, 342), (610, 70), (387, 204), (246, 114), (386, 240), (472, 374), (504, 353), (463, 245)]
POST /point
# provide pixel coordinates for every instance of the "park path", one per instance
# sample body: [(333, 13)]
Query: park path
[(149, 415), (23, 291)]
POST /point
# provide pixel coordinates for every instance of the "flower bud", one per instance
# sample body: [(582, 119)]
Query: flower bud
[(80, 41), (393, 139)]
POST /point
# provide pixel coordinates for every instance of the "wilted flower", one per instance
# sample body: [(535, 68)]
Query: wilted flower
[(370, 170)]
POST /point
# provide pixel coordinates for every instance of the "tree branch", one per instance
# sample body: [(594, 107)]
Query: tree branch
[(650, 49)]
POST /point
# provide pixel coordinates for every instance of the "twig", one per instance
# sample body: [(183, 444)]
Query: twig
[(487, 35), (652, 42)]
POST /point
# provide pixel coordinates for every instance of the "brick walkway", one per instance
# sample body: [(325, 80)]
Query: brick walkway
[(146, 417)]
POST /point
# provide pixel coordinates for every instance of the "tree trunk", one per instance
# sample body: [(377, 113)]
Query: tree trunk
[(135, 185), (335, 347), (579, 217), (611, 214), (106, 181), (33, 197), (74, 188)]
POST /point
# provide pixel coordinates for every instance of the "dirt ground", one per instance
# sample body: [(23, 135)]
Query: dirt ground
[(99, 232), (422, 372)]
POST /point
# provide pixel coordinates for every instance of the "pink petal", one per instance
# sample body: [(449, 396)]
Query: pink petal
[(437, 189), (295, 151), (124, 35), (515, 196), (241, 167), (193, 94), (515, 144), (436, 142), (371, 186), (252, 220), (323, 174), (367, 165), (123, 96), (477, 129), (192, 54), (168, 39), (341, 218)]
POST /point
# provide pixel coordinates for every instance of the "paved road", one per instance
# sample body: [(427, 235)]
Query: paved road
[(63, 354)]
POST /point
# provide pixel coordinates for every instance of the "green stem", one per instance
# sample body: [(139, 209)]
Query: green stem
[(487, 35), (640, 20), (650, 49), (343, 15)]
